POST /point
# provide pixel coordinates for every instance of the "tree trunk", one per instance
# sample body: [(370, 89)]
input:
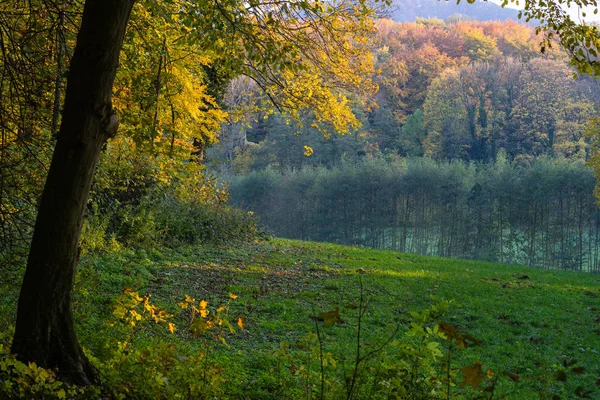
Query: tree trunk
[(45, 331), (58, 80)]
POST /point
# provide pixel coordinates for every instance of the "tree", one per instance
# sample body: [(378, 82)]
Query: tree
[(479, 46), (284, 47), (44, 330), (31, 37), (413, 135), (540, 106), (447, 136)]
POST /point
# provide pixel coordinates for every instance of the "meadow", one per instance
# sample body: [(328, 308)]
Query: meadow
[(293, 316)]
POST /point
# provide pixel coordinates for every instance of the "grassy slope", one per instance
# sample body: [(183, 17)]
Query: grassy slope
[(525, 325)]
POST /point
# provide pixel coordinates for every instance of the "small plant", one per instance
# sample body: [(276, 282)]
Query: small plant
[(19, 380), (163, 369), (201, 320)]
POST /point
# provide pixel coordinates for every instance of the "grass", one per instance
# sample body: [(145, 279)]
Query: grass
[(529, 321)]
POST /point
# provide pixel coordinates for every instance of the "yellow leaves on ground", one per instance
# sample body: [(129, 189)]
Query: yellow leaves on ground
[(308, 151), (202, 309), (202, 320)]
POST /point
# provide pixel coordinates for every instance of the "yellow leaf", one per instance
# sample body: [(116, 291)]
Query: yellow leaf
[(308, 151), (203, 304), (240, 322), (183, 305), (233, 296), (172, 327)]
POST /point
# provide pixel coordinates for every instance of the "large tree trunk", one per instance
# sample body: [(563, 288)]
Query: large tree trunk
[(45, 332)]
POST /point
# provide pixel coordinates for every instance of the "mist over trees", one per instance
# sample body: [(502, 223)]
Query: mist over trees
[(542, 215)]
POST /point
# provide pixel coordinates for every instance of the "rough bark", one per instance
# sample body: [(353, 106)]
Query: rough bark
[(45, 331)]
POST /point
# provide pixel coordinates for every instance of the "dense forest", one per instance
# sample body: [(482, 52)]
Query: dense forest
[(503, 133), (448, 91), (542, 215)]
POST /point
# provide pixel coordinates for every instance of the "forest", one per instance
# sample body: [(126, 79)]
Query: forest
[(544, 215), (448, 90), (507, 142), (150, 150)]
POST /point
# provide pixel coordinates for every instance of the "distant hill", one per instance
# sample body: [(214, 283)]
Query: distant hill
[(410, 10)]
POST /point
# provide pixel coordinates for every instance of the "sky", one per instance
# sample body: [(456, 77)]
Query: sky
[(574, 11)]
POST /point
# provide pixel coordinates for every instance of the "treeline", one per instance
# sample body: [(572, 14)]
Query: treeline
[(543, 214), (448, 90)]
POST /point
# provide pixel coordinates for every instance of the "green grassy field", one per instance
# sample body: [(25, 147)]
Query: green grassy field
[(530, 322)]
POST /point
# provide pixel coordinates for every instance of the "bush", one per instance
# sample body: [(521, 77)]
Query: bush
[(166, 216)]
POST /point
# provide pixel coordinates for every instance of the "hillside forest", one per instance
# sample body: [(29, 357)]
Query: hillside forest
[(476, 146), (165, 167)]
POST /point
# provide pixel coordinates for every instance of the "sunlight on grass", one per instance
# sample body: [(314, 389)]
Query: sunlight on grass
[(421, 273)]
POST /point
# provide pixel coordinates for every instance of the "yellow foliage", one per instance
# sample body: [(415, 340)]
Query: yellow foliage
[(161, 94), (131, 308)]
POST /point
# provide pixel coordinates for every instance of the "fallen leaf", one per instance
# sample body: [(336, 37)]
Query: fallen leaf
[(578, 370), (513, 377), (472, 375)]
